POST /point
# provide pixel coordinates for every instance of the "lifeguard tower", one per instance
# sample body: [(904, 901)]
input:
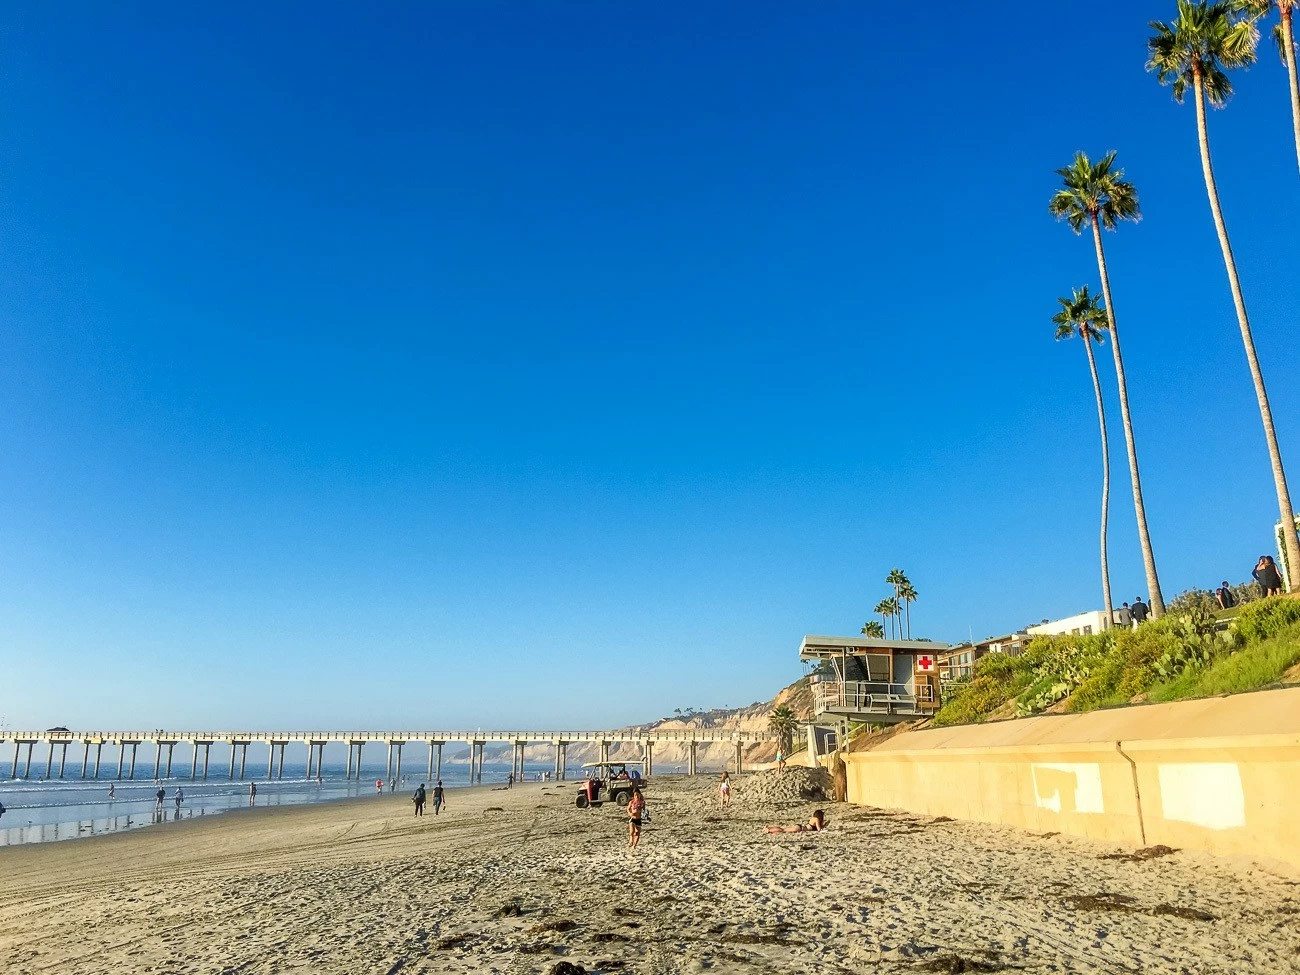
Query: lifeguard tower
[(870, 680)]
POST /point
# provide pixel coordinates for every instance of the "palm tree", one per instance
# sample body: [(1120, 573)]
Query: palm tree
[(873, 629), (1284, 35), (783, 723), (1197, 50), (897, 578), (907, 592), (1096, 195), (886, 612), (1082, 315)]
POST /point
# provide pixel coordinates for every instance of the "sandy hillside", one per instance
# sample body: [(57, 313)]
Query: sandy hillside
[(522, 882)]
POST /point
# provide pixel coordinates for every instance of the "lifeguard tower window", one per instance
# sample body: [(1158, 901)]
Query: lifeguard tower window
[(868, 667)]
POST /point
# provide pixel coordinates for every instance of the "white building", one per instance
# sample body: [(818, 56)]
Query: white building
[(1084, 624)]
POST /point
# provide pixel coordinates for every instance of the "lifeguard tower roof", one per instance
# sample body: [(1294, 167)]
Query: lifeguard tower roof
[(822, 647)]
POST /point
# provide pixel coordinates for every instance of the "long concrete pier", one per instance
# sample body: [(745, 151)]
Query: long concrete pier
[(126, 744)]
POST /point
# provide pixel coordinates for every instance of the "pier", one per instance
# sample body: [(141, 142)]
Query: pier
[(126, 743)]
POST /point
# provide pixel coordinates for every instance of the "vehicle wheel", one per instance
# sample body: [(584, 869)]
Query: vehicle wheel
[(623, 798), (582, 801)]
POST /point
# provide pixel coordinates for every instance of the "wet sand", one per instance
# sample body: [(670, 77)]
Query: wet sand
[(523, 882)]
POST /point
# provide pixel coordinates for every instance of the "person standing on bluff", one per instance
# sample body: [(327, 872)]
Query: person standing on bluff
[(1266, 574), (1226, 597)]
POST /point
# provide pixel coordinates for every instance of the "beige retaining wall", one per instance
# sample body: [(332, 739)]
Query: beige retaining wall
[(1221, 775)]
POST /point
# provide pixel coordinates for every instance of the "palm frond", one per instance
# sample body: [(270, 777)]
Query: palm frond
[(1206, 39), (1081, 314)]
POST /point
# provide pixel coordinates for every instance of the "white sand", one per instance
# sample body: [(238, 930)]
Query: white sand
[(363, 887)]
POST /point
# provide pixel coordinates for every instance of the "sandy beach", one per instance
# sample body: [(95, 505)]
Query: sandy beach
[(521, 881)]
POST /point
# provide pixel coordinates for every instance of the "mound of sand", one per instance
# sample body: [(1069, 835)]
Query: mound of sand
[(795, 784)]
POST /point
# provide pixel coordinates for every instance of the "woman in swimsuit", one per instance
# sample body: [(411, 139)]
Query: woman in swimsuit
[(814, 825), (724, 790), (635, 809)]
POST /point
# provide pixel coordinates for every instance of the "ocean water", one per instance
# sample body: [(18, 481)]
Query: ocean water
[(70, 808)]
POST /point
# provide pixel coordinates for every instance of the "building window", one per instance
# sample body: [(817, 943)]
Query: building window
[(1087, 631)]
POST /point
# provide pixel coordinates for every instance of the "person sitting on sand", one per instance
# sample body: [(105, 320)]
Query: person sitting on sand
[(635, 810), (724, 789), (815, 824)]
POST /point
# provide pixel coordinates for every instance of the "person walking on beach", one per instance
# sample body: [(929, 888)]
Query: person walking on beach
[(252, 793), (1266, 574), (1139, 611), (724, 789), (438, 798), (379, 787), (635, 810), (780, 761), (160, 795), (510, 781), (112, 791), (418, 799), (179, 797)]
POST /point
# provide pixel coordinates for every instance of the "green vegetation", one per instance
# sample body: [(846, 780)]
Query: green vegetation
[(1183, 655), (783, 723)]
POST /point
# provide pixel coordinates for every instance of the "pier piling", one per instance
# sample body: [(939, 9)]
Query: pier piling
[(85, 758)]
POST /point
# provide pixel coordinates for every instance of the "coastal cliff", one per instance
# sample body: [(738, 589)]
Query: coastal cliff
[(673, 757)]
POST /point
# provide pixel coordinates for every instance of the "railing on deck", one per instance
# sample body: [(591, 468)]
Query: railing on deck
[(864, 697)]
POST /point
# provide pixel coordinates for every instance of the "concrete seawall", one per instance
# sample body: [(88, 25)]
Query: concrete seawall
[(1221, 775)]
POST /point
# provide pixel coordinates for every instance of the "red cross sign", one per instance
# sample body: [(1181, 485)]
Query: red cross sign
[(924, 662)]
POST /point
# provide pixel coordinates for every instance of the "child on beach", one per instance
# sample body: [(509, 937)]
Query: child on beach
[(635, 810), (724, 789), (814, 825)]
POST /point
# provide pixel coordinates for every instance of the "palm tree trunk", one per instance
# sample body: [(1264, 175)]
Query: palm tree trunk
[(1139, 505), (1105, 483), (907, 605), (1288, 52), (1291, 545)]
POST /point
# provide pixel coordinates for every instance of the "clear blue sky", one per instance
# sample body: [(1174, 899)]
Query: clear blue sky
[(561, 364)]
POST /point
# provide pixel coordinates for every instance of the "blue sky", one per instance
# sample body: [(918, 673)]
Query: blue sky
[(561, 364)]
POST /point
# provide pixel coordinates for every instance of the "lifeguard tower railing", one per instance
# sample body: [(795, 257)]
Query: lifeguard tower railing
[(868, 697)]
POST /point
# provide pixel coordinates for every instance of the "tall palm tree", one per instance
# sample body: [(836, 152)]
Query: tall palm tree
[(1082, 315), (873, 629), (907, 592), (897, 578), (1096, 195), (1284, 35), (1197, 50), (886, 610)]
